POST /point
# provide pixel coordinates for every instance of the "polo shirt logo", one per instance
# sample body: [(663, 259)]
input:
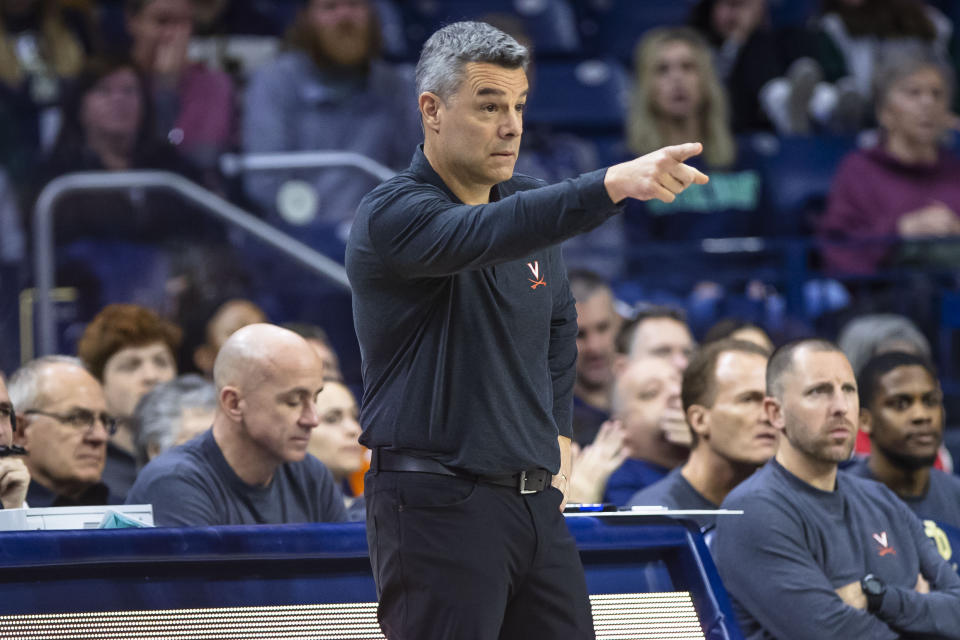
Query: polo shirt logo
[(535, 270), (881, 539)]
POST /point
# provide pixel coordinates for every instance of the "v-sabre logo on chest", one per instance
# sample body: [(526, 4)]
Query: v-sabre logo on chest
[(881, 539), (537, 280)]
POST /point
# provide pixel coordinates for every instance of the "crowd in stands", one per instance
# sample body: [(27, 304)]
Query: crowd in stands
[(180, 393)]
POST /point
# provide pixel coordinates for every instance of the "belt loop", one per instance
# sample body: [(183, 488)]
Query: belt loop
[(375, 460)]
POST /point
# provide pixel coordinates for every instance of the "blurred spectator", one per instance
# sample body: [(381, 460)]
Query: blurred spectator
[(317, 338), (736, 329), (39, 53), (172, 413), (130, 350), (906, 187), (901, 410), (677, 98), (193, 104), (746, 52), (658, 332), (209, 327), (597, 326), (62, 421), (14, 476), (874, 334), (335, 442), (646, 400), (723, 391), (858, 36), (871, 334), (329, 92), (252, 467), (108, 126)]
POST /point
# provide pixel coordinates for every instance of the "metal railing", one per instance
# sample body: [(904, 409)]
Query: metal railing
[(210, 203), (231, 164)]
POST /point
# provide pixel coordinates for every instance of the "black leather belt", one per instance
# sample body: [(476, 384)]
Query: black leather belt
[(529, 481)]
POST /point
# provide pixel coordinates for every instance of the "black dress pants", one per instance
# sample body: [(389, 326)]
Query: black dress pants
[(457, 559)]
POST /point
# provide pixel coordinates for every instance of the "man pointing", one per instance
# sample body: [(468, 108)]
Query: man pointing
[(467, 330)]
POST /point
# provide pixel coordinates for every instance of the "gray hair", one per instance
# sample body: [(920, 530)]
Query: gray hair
[(24, 385), (866, 336), (448, 50), (899, 64), (159, 412)]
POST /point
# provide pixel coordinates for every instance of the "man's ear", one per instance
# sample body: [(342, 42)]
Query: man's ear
[(774, 412), (430, 110), (865, 421), (230, 400), (20, 433), (698, 418)]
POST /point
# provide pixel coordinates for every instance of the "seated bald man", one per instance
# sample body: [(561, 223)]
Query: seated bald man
[(252, 467)]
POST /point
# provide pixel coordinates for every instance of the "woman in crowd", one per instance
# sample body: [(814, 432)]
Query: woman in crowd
[(678, 98), (335, 443), (108, 127), (130, 350), (193, 105), (907, 186)]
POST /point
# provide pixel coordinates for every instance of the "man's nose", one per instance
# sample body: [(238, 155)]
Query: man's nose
[(841, 403), (513, 124), (310, 416)]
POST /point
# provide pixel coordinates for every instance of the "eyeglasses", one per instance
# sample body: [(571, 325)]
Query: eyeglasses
[(81, 419)]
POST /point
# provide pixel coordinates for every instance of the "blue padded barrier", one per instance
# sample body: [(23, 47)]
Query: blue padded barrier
[(95, 577)]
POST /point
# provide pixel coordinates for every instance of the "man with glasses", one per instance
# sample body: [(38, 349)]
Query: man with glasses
[(62, 421), (14, 477)]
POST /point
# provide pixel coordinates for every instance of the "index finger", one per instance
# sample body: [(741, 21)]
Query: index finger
[(699, 177), (681, 152)]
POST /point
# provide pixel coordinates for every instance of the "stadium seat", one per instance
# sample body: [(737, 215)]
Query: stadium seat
[(550, 24), (792, 13), (588, 96), (613, 27), (797, 172)]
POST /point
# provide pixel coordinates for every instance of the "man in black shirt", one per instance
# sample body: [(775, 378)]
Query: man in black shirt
[(722, 395), (467, 330), (817, 554), (901, 409)]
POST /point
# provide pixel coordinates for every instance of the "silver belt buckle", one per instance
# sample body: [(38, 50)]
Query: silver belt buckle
[(523, 484)]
